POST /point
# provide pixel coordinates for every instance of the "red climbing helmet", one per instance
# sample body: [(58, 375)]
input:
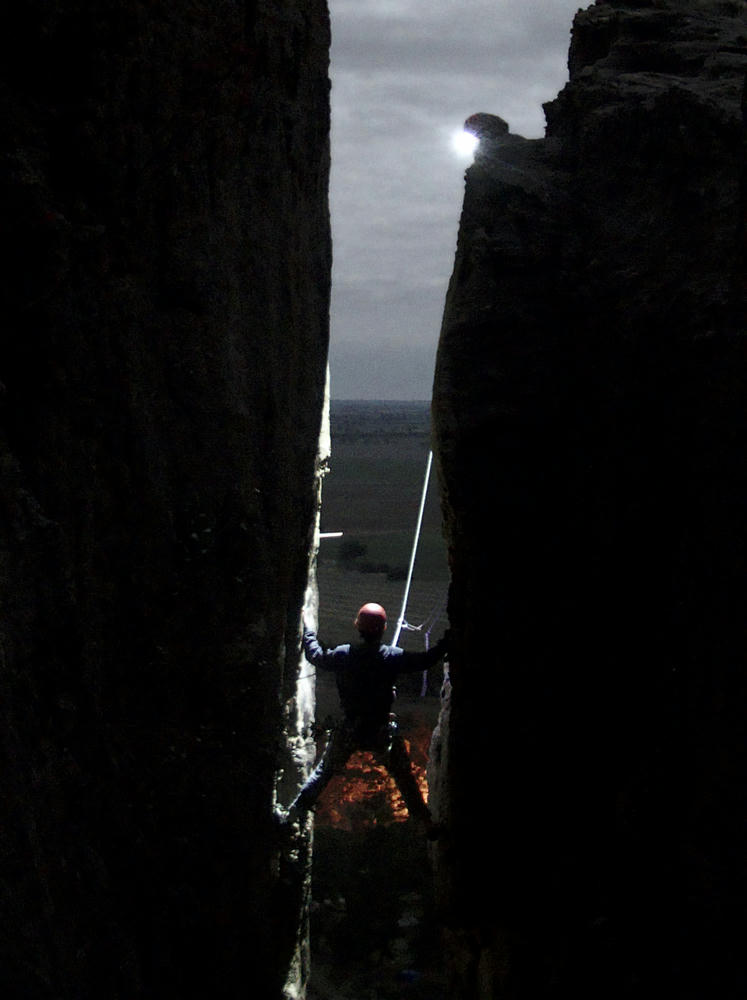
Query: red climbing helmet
[(371, 620)]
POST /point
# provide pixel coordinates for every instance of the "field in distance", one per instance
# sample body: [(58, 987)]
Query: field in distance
[(372, 494)]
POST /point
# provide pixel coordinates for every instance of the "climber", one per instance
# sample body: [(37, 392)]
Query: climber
[(365, 674)]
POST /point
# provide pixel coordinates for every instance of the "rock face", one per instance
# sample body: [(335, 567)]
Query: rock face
[(163, 177), (591, 435)]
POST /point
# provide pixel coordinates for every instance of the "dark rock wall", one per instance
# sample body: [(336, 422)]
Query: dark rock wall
[(163, 178), (591, 434)]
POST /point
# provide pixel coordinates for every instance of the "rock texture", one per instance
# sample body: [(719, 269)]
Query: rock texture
[(591, 434), (163, 177)]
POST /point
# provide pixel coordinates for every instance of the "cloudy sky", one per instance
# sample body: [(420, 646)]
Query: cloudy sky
[(405, 75)]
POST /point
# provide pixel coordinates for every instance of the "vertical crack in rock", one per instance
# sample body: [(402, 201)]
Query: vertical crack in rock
[(591, 438), (294, 860)]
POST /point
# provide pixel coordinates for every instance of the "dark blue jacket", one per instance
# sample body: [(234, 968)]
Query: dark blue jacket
[(366, 673)]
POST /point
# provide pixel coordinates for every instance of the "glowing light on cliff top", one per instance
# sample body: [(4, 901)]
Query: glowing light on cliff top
[(464, 144)]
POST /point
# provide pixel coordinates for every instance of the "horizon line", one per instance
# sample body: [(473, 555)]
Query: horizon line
[(376, 399)]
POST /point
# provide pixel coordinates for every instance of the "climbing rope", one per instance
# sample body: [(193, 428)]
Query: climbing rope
[(401, 619), (427, 625), (429, 622)]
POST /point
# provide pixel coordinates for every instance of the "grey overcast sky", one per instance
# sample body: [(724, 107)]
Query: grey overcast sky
[(405, 76)]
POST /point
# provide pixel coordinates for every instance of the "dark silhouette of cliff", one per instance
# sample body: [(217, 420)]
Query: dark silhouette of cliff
[(163, 179), (591, 435), (163, 175)]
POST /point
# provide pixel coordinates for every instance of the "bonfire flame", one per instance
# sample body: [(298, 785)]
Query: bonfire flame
[(365, 794)]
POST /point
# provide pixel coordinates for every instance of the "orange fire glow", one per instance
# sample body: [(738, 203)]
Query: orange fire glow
[(366, 795)]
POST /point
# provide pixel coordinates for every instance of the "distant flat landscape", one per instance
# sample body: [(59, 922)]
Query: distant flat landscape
[(372, 494)]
